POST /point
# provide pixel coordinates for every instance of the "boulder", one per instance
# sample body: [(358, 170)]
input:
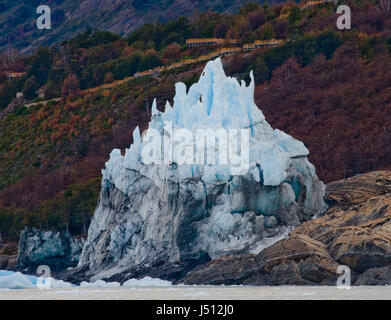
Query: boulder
[(8, 255), (355, 231), (58, 250), (297, 260)]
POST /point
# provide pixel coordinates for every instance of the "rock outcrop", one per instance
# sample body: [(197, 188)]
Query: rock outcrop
[(355, 231), (58, 250), (8, 255), (163, 219)]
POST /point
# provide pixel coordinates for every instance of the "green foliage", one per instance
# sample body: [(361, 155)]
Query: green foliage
[(11, 223), (161, 35), (7, 93), (310, 46), (128, 66), (249, 7), (294, 15), (30, 88), (268, 32), (303, 50), (261, 71), (271, 15), (91, 39), (207, 31), (150, 61), (367, 47), (72, 210), (388, 43), (40, 65), (53, 90)]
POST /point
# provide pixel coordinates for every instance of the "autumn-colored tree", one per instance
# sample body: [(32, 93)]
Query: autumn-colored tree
[(281, 29), (220, 30), (256, 19), (70, 87), (109, 77), (172, 51)]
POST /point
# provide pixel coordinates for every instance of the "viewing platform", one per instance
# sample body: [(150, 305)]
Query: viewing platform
[(14, 75), (311, 4), (204, 42), (262, 43)]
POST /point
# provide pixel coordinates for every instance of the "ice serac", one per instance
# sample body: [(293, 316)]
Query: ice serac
[(178, 213)]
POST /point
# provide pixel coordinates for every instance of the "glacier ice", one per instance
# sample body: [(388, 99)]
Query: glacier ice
[(17, 280), (99, 284), (179, 209), (215, 102), (146, 282)]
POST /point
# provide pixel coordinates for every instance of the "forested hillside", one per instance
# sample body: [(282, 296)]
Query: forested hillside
[(330, 89), (70, 17)]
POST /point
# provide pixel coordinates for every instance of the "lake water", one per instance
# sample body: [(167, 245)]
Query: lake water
[(203, 293)]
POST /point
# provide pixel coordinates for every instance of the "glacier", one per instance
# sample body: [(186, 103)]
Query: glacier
[(161, 219), (215, 102)]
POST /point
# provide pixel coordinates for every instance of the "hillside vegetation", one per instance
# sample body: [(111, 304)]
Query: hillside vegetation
[(329, 88), (70, 17)]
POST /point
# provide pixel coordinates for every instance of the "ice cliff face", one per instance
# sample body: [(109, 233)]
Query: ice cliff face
[(158, 203)]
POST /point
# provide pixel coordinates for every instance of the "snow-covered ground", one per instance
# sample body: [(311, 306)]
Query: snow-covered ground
[(203, 293)]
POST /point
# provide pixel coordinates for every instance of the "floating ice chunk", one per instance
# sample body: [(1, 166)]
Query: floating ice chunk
[(59, 284), (147, 282), (15, 281), (99, 284)]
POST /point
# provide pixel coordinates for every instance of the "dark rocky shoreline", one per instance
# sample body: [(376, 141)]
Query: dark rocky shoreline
[(8, 256), (355, 231)]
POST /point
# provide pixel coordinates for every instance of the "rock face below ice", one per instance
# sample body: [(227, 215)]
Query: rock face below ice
[(179, 213), (58, 250), (354, 232)]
